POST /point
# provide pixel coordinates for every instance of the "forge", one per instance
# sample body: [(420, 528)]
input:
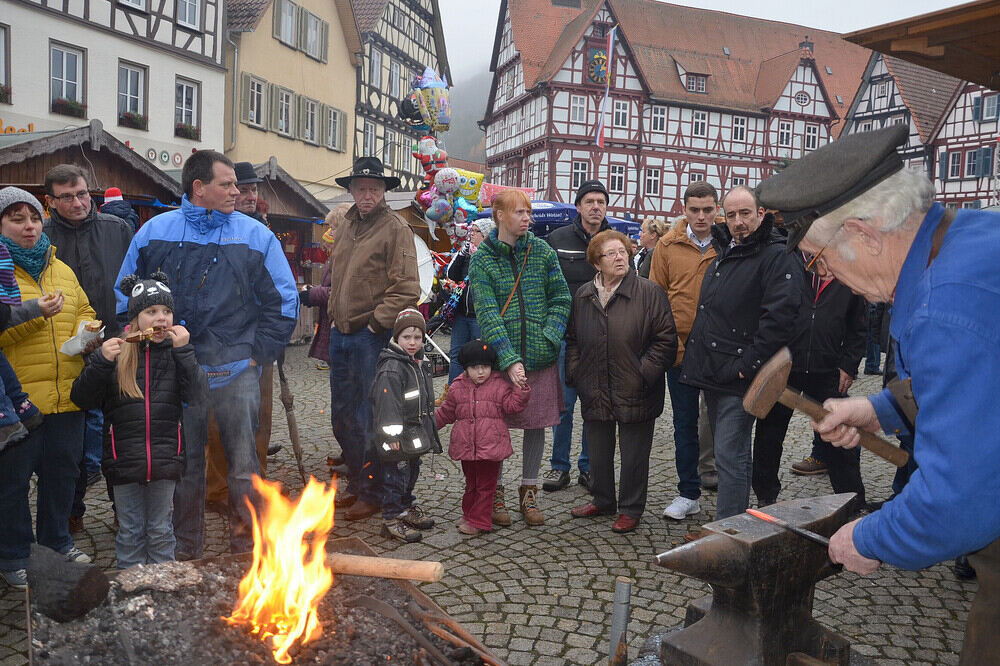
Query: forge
[(763, 578)]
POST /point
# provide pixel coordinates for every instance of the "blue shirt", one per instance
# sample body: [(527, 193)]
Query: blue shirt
[(946, 319)]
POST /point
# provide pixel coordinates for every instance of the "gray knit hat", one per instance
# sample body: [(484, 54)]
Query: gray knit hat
[(12, 195), (486, 225)]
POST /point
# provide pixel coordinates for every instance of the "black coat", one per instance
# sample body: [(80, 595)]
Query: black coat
[(458, 270), (616, 355), (142, 437), (94, 249), (749, 308), (570, 243), (124, 211), (644, 261), (832, 325), (396, 377)]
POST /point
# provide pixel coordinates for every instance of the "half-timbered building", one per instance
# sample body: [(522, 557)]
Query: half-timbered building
[(693, 95), (150, 70), (966, 147), (400, 38)]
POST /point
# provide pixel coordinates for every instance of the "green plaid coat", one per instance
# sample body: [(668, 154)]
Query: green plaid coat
[(531, 331)]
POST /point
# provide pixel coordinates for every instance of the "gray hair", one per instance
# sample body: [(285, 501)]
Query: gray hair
[(889, 205)]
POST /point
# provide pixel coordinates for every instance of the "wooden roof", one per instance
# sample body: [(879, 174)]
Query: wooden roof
[(291, 198), (962, 41)]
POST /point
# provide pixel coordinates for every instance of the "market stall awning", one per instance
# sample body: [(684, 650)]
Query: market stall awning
[(962, 41)]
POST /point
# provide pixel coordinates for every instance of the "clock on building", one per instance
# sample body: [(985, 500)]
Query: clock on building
[(597, 66)]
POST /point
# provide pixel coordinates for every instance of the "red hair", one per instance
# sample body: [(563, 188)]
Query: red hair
[(508, 200)]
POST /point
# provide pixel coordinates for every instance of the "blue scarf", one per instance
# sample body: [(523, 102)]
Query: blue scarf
[(31, 260)]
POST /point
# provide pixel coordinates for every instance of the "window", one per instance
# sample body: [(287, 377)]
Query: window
[(540, 173), (828, 70), (188, 14), (398, 20), (738, 180), (310, 115), (579, 173), (375, 68), (314, 37), (658, 119), (784, 133), (866, 126), (812, 137), (881, 90), (389, 148), (419, 34), (955, 165), (4, 60), (286, 100), (67, 74), (255, 101), (990, 105), (131, 90), (138, 4), (898, 120), (578, 108), (286, 22), (801, 98), (971, 163), (621, 113), (616, 178), (696, 83), (508, 84), (700, 124), (394, 80), (739, 128), (369, 139), (186, 109), (335, 129), (652, 182), (972, 204)]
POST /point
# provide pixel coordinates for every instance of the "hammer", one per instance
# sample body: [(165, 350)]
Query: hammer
[(771, 386)]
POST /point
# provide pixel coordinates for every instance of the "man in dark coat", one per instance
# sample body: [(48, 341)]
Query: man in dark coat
[(570, 243), (750, 301)]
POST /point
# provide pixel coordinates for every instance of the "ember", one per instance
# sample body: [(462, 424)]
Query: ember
[(280, 594)]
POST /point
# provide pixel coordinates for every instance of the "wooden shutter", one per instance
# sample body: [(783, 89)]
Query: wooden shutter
[(943, 167), (245, 98), (342, 131), (977, 109), (273, 95), (985, 164), (324, 40), (276, 7), (321, 117), (301, 27)]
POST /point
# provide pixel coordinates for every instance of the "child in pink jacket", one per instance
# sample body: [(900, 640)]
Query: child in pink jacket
[(477, 403)]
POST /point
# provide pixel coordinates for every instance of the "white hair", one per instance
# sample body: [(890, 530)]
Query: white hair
[(888, 206)]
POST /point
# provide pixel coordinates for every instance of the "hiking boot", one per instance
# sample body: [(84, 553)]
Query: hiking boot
[(529, 505), (555, 479), (444, 394), (416, 518), (360, 510), (18, 578), (501, 516), (681, 508), (809, 467), (74, 554), (397, 529)]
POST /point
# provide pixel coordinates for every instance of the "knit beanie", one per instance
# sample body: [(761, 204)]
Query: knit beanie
[(406, 318), (112, 194), (477, 352), (589, 186), (12, 195), (146, 293), (486, 225)]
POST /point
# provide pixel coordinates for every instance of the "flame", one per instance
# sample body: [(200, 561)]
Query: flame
[(280, 595)]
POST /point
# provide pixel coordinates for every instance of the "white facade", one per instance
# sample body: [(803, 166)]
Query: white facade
[(114, 57), (966, 149)]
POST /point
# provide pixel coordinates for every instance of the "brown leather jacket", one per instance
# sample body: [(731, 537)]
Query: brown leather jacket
[(373, 271)]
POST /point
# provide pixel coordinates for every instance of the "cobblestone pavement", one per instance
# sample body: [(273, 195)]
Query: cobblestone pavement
[(544, 595)]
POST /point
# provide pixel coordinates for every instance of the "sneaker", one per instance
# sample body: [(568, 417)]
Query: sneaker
[(416, 518), (710, 480), (555, 479), (584, 479), (809, 467), (74, 554), (501, 516), (466, 528), (18, 578), (322, 365), (397, 529), (681, 508)]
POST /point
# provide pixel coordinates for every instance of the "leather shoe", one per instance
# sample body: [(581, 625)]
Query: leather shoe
[(589, 510), (344, 500), (360, 510), (624, 524)]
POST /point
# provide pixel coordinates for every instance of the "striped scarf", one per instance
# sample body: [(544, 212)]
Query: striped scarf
[(10, 293), (32, 260)]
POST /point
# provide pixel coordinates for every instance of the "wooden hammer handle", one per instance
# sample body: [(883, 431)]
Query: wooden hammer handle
[(384, 567), (880, 447)]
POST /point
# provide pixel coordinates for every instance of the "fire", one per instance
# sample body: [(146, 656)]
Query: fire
[(280, 595)]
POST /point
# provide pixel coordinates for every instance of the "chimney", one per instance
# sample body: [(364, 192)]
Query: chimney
[(806, 45)]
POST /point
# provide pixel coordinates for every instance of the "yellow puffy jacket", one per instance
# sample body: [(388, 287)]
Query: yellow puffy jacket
[(33, 347)]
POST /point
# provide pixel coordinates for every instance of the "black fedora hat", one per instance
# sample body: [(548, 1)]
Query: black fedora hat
[(245, 175), (369, 167)]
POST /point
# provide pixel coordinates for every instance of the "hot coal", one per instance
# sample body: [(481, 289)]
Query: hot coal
[(171, 614)]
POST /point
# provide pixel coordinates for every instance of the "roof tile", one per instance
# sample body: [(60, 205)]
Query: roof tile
[(244, 15), (926, 93)]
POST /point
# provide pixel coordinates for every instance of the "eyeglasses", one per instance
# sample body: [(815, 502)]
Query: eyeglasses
[(83, 195), (614, 254), (816, 264)]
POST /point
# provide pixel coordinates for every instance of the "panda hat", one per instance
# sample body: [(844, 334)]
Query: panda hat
[(146, 293)]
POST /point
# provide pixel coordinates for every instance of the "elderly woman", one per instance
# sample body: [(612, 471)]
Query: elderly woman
[(522, 304), (465, 327), (619, 342), (55, 449), (650, 234)]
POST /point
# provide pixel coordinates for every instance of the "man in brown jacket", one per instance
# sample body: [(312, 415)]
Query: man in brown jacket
[(373, 277), (679, 264)]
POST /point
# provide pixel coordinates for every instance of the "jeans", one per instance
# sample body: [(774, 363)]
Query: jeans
[(562, 434), (635, 440), (352, 373), (873, 352), (706, 442), (463, 329), (145, 531), (53, 452), (235, 407), (732, 428), (398, 480), (93, 436), (684, 401)]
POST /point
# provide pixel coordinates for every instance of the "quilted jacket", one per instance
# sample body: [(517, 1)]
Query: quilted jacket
[(478, 412)]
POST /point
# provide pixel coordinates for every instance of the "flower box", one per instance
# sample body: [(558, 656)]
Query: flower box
[(185, 131), (134, 120), (69, 107)]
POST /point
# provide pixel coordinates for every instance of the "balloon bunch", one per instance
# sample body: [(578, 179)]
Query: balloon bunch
[(449, 197), (428, 106)]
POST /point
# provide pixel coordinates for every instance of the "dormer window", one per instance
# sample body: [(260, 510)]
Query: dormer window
[(696, 83)]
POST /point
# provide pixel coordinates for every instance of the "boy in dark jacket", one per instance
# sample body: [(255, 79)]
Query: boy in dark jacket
[(141, 383), (403, 414)]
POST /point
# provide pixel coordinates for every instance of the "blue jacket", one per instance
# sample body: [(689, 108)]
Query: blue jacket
[(232, 286), (946, 318)]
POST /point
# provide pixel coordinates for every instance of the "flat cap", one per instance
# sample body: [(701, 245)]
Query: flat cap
[(829, 177)]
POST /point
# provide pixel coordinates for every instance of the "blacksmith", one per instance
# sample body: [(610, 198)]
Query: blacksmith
[(874, 226)]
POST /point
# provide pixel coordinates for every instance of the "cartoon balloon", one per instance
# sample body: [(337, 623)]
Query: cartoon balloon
[(469, 184), (431, 157), (425, 197), (464, 211), (447, 181), (437, 214)]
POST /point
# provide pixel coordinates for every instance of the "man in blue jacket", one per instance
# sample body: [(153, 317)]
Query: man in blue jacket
[(873, 225), (235, 293)]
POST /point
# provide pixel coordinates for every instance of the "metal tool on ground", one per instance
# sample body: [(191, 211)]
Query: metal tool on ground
[(621, 612), (288, 402), (801, 531), (391, 613), (770, 386)]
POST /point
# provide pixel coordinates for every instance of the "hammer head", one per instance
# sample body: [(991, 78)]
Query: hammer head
[(768, 385)]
